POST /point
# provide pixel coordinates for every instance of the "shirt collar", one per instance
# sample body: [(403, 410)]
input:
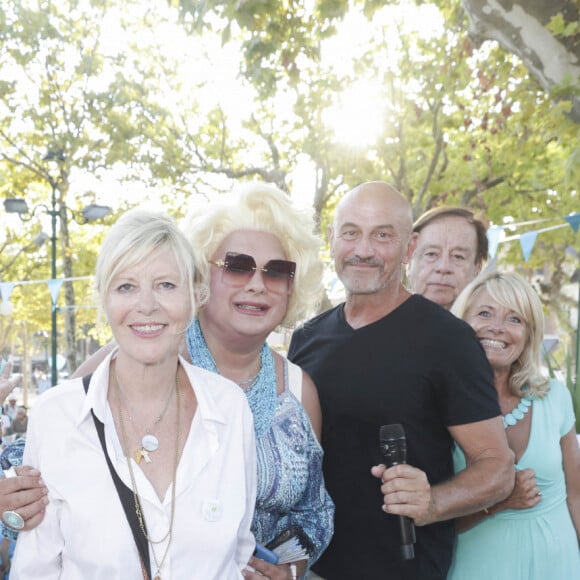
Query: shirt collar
[(96, 398), (199, 378)]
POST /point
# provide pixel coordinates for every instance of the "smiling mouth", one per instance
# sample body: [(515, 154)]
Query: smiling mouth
[(251, 307), (147, 328), (493, 343)]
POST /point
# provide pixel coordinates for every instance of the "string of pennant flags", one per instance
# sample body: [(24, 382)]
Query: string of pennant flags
[(496, 235), (54, 287)]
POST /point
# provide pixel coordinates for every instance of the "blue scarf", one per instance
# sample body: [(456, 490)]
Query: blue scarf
[(261, 394)]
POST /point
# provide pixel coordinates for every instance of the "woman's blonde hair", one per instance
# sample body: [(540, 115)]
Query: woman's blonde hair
[(135, 236), (262, 207), (513, 292)]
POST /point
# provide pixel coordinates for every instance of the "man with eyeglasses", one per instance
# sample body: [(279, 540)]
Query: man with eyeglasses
[(387, 356)]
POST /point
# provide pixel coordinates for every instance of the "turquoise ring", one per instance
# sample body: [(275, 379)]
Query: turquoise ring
[(13, 520)]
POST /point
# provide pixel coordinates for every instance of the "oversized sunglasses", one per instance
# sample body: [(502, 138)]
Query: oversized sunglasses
[(240, 268)]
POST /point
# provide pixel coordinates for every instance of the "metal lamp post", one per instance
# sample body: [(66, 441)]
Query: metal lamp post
[(53, 333), (90, 213)]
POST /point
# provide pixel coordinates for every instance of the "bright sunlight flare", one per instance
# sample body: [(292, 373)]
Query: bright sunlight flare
[(357, 116)]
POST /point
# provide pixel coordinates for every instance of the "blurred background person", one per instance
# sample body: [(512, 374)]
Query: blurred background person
[(11, 407), (451, 249), (19, 423), (534, 533)]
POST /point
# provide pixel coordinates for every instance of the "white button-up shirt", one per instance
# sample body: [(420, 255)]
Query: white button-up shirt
[(85, 535)]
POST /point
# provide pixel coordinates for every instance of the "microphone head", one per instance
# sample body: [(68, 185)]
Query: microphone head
[(393, 444)]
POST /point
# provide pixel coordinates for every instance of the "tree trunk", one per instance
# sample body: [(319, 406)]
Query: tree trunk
[(520, 26)]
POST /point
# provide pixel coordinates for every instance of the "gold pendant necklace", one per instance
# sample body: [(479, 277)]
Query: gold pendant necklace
[(138, 509), (149, 441)]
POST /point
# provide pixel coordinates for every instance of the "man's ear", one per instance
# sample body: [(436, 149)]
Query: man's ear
[(411, 247), (330, 236)]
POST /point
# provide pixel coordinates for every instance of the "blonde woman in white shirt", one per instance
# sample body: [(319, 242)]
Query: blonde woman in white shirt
[(179, 438)]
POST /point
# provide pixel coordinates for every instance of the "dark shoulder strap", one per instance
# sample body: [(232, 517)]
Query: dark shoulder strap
[(125, 495)]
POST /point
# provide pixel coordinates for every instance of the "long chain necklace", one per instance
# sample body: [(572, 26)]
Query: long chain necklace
[(138, 509), (149, 441), (251, 380), (517, 413)]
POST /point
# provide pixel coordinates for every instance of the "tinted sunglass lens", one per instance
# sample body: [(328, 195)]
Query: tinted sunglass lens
[(239, 264), (280, 269)]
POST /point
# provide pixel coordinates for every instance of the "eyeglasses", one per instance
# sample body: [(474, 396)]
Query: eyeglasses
[(238, 270)]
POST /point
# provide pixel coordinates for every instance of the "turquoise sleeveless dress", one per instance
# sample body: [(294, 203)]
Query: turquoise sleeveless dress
[(539, 543)]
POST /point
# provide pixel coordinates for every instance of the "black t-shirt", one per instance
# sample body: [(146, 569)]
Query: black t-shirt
[(419, 366)]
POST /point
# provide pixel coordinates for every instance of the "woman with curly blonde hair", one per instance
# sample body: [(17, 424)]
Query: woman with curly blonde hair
[(258, 269), (534, 532)]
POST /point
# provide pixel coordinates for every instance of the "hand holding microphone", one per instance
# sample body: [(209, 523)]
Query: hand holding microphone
[(394, 449)]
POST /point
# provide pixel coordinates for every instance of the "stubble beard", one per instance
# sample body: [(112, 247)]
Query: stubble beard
[(356, 285)]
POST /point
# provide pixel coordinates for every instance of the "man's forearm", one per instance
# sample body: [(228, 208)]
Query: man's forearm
[(484, 483)]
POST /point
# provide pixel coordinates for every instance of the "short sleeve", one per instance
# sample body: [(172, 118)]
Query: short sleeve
[(566, 406)]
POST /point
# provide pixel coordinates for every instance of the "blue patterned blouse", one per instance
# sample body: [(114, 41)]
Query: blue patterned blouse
[(291, 487), (290, 483), (11, 456)]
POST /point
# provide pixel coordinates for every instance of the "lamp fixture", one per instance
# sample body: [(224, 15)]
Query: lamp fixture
[(16, 205), (95, 212)]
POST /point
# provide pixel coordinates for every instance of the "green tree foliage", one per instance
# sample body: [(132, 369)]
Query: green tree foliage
[(75, 101), (460, 124), (104, 84)]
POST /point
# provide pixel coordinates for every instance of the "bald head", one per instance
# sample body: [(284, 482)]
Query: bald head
[(370, 238), (376, 194)]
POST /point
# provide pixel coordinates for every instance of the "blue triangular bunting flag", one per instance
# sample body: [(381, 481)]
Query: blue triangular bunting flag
[(493, 235), (574, 221), (54, 289), (5, 290), (527, 242)]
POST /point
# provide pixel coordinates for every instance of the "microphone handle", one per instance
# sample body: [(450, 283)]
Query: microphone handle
[(407, 534)]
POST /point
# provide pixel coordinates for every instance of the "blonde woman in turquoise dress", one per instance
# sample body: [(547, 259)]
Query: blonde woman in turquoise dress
[(533, 534)]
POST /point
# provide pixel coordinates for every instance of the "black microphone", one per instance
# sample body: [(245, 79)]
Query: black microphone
[(394, 450)]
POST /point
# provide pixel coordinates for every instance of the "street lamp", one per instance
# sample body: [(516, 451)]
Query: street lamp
[(90, 213)]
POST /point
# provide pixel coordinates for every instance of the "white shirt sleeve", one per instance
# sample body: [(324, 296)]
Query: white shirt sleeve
[(246, 540), (38, 552)]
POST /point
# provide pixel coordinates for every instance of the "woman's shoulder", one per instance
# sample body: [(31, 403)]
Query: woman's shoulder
[(59, 404), (289, 378), (557, 391), (557, 399), (60, 393)]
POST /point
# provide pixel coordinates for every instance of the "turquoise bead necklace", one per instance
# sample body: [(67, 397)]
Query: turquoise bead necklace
[(517, 413)]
